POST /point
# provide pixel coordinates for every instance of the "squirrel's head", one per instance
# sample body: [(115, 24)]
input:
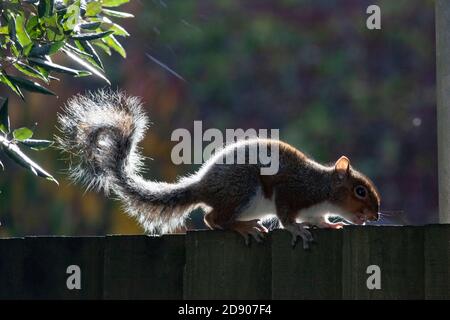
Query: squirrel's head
[(354, 193)]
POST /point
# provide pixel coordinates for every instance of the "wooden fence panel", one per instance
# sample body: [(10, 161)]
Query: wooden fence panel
[(11, 268), (144, 267), (397, 251), (46, 263), (220, 266), (413, 262), (307, 274), (437, 261)]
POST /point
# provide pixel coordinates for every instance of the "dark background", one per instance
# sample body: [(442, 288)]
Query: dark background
[(309, 68)]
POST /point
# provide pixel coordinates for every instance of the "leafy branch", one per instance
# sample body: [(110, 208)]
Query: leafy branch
[(32, 32)]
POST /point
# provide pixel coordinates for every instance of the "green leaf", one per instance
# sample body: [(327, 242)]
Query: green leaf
[(11, 26), (113, 3), (29, 71), (4, 116), (22, 134), (53, 28), (14, 152), (103, 46), (112, 42), (45, 8), (21, 33), (77, 50), (72, 15), (4, 30), (90, 25), (86, 65), (92, 57), (6, 80), (46, 49), (93, 8), (118, 30), (83, 73), (37, 144), (117, 14), (32, 26), (30, 85), (53, 66), (91, 36)]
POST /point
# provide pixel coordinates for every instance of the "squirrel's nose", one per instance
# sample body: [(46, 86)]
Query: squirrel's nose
[(371, 215)]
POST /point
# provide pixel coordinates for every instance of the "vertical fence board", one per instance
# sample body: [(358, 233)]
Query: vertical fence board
[(144, 267), (442, 20), (11, 268), (307, 274), (220, 266), (437, 261), (398, 251), (46, 261)]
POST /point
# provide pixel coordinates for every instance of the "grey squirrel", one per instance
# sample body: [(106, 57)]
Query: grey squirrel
[(101, 132)]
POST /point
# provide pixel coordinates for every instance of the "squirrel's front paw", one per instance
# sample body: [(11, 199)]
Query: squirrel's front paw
[(300, 230), (328, 225)]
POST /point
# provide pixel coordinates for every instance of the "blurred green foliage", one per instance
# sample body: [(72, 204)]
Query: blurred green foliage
[(31, 32), (309, 68)]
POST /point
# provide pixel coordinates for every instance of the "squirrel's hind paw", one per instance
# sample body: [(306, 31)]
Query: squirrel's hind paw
[(252, 228)]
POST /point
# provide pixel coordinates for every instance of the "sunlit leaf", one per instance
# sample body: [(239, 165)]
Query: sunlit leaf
[(22, 134), (4, 116), (72, 16), (45, 8), (103, 46), (113, 3), (4, 30), (21, 32), (77, 50), (86, 65), (118, 30), (47, 49), (31, 85), (90, 25), (117, 14), (89, 49), (53, 29), (14, 152), (37, 144), (112, 42), (53, 66), (6, 80), (91, 36), (93, 8), (29, 71), (83, 73)]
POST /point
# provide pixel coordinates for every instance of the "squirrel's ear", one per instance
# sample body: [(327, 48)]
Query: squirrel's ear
[(342, 167)]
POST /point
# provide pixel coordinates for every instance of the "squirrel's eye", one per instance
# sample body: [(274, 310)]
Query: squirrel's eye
[(361, 192)]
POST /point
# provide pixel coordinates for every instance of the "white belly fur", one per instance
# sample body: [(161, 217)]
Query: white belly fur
[(263, 208), (259, 208), (318, 212)]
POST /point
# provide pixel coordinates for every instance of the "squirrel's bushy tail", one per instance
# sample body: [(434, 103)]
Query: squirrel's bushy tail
[(100, 133)]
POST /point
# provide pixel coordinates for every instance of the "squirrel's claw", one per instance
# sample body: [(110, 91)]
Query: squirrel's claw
[(252, 228), (299, 230)]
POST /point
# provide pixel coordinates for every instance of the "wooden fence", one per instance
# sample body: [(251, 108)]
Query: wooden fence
[(413, 262)]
